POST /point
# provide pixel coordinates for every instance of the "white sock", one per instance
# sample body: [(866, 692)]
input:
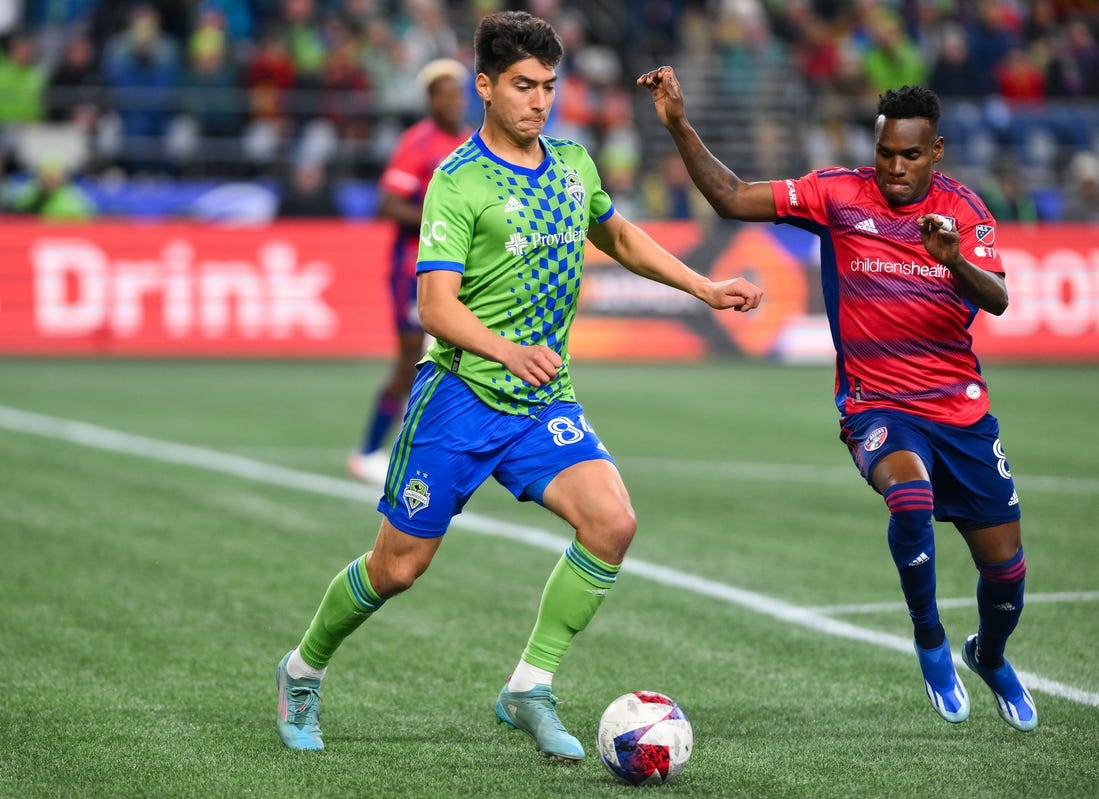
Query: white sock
[(297, 668), (527, 676)]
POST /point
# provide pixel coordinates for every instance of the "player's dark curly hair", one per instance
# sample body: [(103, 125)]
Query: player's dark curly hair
[(510, 36), (910, 102)]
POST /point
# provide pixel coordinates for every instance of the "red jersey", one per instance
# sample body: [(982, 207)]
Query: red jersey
[(899, 323), (418, 151)]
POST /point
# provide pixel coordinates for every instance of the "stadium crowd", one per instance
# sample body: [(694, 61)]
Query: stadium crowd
[(195, 93)]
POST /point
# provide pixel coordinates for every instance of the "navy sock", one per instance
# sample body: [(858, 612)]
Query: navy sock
[(912, 544), (999, 605)]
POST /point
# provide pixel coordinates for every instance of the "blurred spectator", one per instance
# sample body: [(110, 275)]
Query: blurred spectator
[(304, 42), (755, 66), (308, 194), (211, 93), (952, 73), (1018, 77), (990, 38), (1081, 196), (344, 89), (669, 192), (75, 92), (428, 34), (209, 31), (52, 196), (1005, 193), (844, 112), (22, 81), (65, 14), (391, 73), (816, 47), (1073, 66), (268, 78), (893, 60), (239, 15), (53, 21), (142, 68), (619, 163)]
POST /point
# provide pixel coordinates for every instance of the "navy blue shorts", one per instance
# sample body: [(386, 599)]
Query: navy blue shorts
[(969, 472), (451, 442), (406, 314)]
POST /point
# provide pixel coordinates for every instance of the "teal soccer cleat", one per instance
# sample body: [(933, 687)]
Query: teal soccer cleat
[(1013, 701), (940, 679), (299, 709), (535, 713)]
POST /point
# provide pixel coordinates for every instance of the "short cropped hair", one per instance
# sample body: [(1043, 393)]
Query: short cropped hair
[(507, 37), (910, 102)]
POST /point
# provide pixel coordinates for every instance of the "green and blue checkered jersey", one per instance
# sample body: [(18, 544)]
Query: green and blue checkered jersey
[(517, 237)]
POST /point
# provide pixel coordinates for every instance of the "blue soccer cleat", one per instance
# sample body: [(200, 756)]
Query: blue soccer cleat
[(535, 713), (299, 709), (944, 688), (1013, 701)]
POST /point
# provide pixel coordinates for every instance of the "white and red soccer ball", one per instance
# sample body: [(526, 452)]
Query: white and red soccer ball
[(644, 738)]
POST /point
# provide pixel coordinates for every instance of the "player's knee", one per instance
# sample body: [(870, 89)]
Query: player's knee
[(609, 534), (395, 576), (619, 530)]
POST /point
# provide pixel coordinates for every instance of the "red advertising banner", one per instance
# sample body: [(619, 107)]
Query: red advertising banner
[(320, 289), (132, 289)]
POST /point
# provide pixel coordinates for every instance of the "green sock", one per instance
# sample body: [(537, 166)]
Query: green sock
[(574, 591), (348, 602)]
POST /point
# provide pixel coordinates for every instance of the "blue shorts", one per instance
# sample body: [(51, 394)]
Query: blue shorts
[(969, 472), (451, 442)]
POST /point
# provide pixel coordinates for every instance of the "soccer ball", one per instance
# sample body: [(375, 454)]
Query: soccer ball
[(644, 738)]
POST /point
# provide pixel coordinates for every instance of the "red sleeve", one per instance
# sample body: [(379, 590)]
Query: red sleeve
[(404, 174), (800, 197)]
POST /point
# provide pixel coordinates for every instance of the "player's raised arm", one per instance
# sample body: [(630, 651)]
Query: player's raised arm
[(730, 197), (637, 251)]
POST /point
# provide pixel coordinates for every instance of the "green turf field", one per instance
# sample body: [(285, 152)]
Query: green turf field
[(149, 589)]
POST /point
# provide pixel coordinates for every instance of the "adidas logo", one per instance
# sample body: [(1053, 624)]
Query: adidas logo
[(513, 204), (1014, 499), (1006, 607), (867, 226), (920, 559)]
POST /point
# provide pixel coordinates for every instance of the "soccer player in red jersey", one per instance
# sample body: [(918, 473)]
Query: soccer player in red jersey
[(908, 259), (403, 184)]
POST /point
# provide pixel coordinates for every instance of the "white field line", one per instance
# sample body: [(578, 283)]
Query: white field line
[(956, 602), (812, 473), (102, 438)]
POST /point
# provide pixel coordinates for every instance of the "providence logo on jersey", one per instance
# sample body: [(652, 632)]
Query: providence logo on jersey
[(517, 244)]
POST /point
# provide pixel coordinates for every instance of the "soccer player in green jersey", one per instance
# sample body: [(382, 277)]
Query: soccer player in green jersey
[(501, 258)]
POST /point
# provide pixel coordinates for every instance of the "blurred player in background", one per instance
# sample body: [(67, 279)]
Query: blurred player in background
[(500, 263), (419, 150), (908, 258)]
